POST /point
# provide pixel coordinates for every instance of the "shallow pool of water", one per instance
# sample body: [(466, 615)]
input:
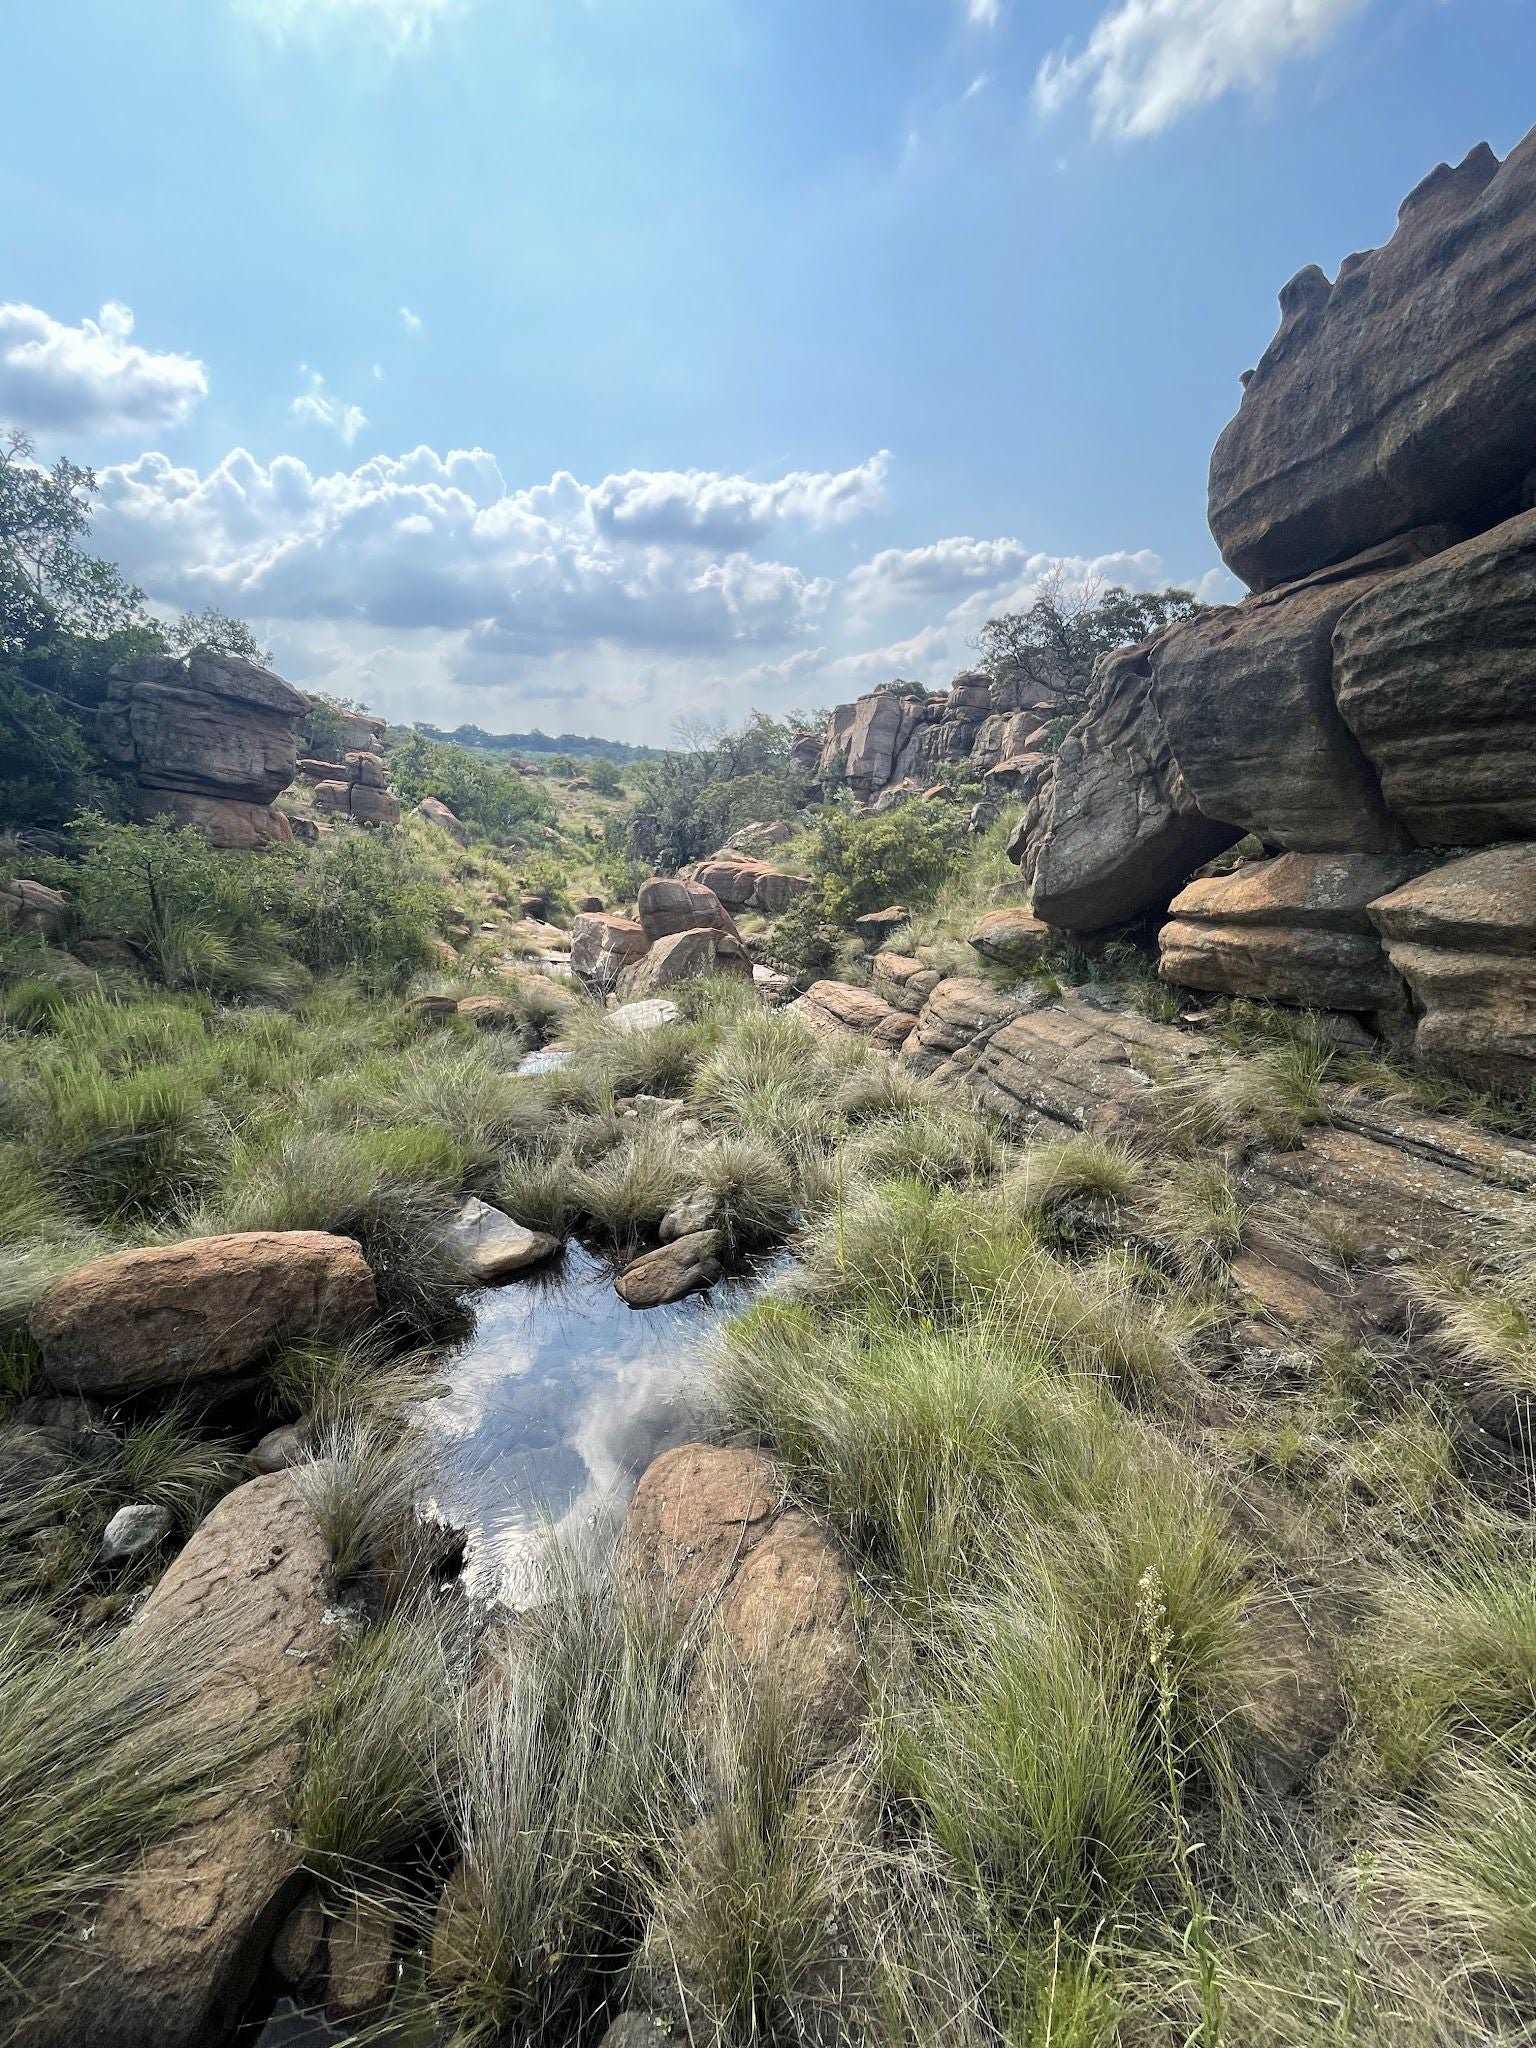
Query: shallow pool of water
[(555, 1405)]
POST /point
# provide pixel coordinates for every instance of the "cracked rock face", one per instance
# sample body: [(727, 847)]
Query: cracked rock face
[(1402, 393)]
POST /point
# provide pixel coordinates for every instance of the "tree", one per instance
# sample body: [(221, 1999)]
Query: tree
[(211, 631), (1052, 648), (713, 782)]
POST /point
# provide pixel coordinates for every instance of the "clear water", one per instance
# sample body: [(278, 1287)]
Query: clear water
[(555, 1405)]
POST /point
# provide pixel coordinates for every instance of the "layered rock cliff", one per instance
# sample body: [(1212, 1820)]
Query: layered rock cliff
[(1369, 713)]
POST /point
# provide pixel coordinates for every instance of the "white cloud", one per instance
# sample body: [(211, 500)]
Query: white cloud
[(1148, 62), (92, 378), (426, 542), (411, 322), (317, 407), (393, 25), (984, 13), (943, 568)]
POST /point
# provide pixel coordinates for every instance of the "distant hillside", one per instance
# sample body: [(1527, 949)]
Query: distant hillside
[(573, 743)]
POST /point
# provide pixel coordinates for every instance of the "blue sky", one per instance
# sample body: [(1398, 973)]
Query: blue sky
[(593, 362)]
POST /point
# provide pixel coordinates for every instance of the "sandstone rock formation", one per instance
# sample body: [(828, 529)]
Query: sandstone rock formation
[(203, 1309), (437, 813), (1436, 676), (360, 793), (1464, 940), (1245, 696), (708, 1529), (903, 981), (1399, 394), (684, 930), (602, 946), (27, 906), (175, 1945), (1116, 829), (1292, 930), (685, 1265), (745, 884), (207, 739), (830, 1009), (1012, 936)]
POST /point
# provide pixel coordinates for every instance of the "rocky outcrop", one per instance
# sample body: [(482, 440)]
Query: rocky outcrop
[(1116, 829), (175, 1945), (1292, 930), (745, 884), (1436, 677), (1400, 394), (959, 1015), (1464, 940), (207, 739), (199, 1310), (681, 957), (831, 1009), (903, 981), (1245, 696), (666, 907), (361, 793), (683, 930)]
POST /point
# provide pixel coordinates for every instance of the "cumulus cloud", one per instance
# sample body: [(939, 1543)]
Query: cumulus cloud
[(942, 568), (1148, 62), (92, 378), (318, 408), (710, 510), (411, 322), (440, 543)]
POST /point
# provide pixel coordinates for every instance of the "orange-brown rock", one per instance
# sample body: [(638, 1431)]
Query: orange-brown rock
[(1012, 936), (831, 1008), (959, 1015), (208, 1307), (697, 1512), (176, 1944)]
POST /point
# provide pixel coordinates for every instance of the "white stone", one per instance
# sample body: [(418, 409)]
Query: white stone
[(135, 1528), (494, 1245)]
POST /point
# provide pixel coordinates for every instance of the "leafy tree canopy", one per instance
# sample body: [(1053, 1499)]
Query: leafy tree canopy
[(1051, 649)]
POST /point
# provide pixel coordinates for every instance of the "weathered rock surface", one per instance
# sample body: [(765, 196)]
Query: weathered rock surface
[(647, 1016), (744, 884), (359, 801), (437, 813), (135, 1528), (209, 1307), (1245, 695), (27, 906), (1116, 830), (829, 1008), (958, 1015), (1012, 936), (697, 1211), (1292, 930), (210, 724), (902, 981), (876, 926), (685, 1266), (1402, 393), (1464, 940), (1436, 676), (175, 1945), (494, 1246), (1070, 1064), (225, 822), (666, 907), (602, 946), (708, 1529)]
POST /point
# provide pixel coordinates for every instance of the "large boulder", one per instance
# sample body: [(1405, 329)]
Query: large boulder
[(435, 812), (1464, 940), (358, 800), (225, 822), (957, 1017), (744, 884), (1012, 937), (1245, 695), (1116, 829), (211, 724), (678, 958), (708, 1531), (1436, 676), (666, 907), (1402, 393), (1070, 1064), (1292, 930), (903, 981), (203, 1309), (173, 1949), (602, 946), (27, 906)]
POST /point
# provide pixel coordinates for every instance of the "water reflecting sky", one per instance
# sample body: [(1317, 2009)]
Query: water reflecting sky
[(555, 1405)]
